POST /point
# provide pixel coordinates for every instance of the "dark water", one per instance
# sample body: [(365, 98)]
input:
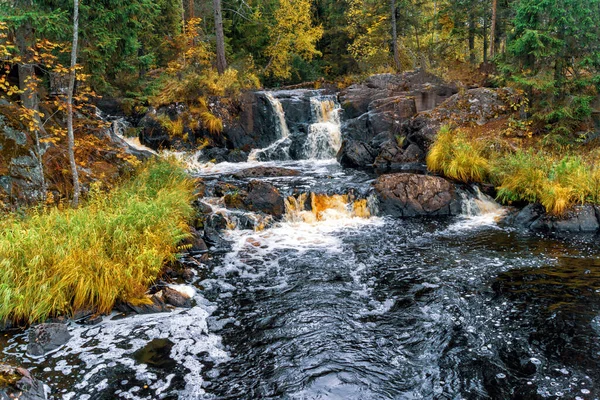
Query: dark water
[(415, 310), (350, 308)]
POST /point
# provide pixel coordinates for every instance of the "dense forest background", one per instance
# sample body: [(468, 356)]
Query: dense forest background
[(203, 54)]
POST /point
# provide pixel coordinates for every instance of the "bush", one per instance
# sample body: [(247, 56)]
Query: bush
[(456, 157), (55, 262)]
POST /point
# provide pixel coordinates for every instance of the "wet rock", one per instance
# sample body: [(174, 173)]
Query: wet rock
[(20, 384), (152, 133), (216, 222), (237, 156), (155, 304), (202, 207), (222, 188), (410, 195), (195, 243), (355, 154), (579, 219), (175, 298), (44, 338), (214, 154), (264, 197), (256, 172)]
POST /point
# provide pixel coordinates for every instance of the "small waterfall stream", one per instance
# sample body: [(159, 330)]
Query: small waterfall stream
[(324, 134), (278, 150), (336, 302)]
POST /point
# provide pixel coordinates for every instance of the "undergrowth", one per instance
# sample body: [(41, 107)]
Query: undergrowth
[(55, 262), (556, 181)]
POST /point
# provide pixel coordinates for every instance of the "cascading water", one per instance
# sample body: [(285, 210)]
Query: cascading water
[(334, 302), (324, 134), (278, 150)]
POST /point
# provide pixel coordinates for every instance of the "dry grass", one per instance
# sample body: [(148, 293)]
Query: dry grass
[(558, 182), (56, 262), (457, 157)]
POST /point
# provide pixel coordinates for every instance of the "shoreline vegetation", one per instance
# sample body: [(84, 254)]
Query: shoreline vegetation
[(59, 261), (558, 180)]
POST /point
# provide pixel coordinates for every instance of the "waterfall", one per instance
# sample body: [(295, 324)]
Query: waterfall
[(278, 150), (324, 134)]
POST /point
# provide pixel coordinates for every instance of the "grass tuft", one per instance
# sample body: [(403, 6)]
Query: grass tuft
[(56, 262), (456, 157)]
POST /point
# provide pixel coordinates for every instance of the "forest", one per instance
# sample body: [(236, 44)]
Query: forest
[(166, 155)]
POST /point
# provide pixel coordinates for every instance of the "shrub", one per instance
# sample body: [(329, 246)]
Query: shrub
[(59, 261), (456, 157)]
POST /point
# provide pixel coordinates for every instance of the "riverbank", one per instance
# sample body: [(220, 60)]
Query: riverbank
[(61, 261)]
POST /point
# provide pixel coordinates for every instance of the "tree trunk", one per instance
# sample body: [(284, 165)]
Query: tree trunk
[(190, 9), (472, 37), (493, 29), (221, 60), (70, 134), (397, 64), (485, 41), (24, 39)]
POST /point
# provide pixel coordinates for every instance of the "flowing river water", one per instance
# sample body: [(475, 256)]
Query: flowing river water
[(340, 303)]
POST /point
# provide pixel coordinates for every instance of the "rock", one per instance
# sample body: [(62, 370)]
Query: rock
[(44, 338), (152, 133), (216, 222), (20, 384), (175, 298), (355, 154), (391, 156), (213, 154), (202, 207), (256, 172), (264, 197), (410, 195), (222, 188), (237, 156), (20, 172), (156, 305), (583, 218)]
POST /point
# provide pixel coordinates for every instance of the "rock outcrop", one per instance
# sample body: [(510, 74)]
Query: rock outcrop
[(585, 218), (398, 116), (412, 195)]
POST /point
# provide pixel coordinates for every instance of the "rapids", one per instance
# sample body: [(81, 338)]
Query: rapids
[(337, 302)]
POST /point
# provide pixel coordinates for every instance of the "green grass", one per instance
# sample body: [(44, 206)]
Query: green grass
[(55, 262), (558, 182)]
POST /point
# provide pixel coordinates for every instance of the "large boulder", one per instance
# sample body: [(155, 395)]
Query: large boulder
[(20, 172), (152, 133), (47, 337), (356, 154), (411, 195), (259, 197)]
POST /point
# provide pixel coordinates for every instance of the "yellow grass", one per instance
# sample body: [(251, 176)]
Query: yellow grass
[(59, 261)]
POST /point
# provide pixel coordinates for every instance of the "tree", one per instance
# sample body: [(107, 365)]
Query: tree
[(292, 34), (493, 29), (70, 134), (554, 56), (220, 36), (395, 37)]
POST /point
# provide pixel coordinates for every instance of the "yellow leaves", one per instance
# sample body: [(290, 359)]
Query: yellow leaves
[(293, 32)]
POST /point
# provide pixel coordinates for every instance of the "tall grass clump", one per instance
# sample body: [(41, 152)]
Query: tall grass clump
[(56, 262), (557, 184), (455, 156)]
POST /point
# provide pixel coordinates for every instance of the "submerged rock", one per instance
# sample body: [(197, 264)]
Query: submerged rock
[(256, 172), (411, 195), (44, 338)]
